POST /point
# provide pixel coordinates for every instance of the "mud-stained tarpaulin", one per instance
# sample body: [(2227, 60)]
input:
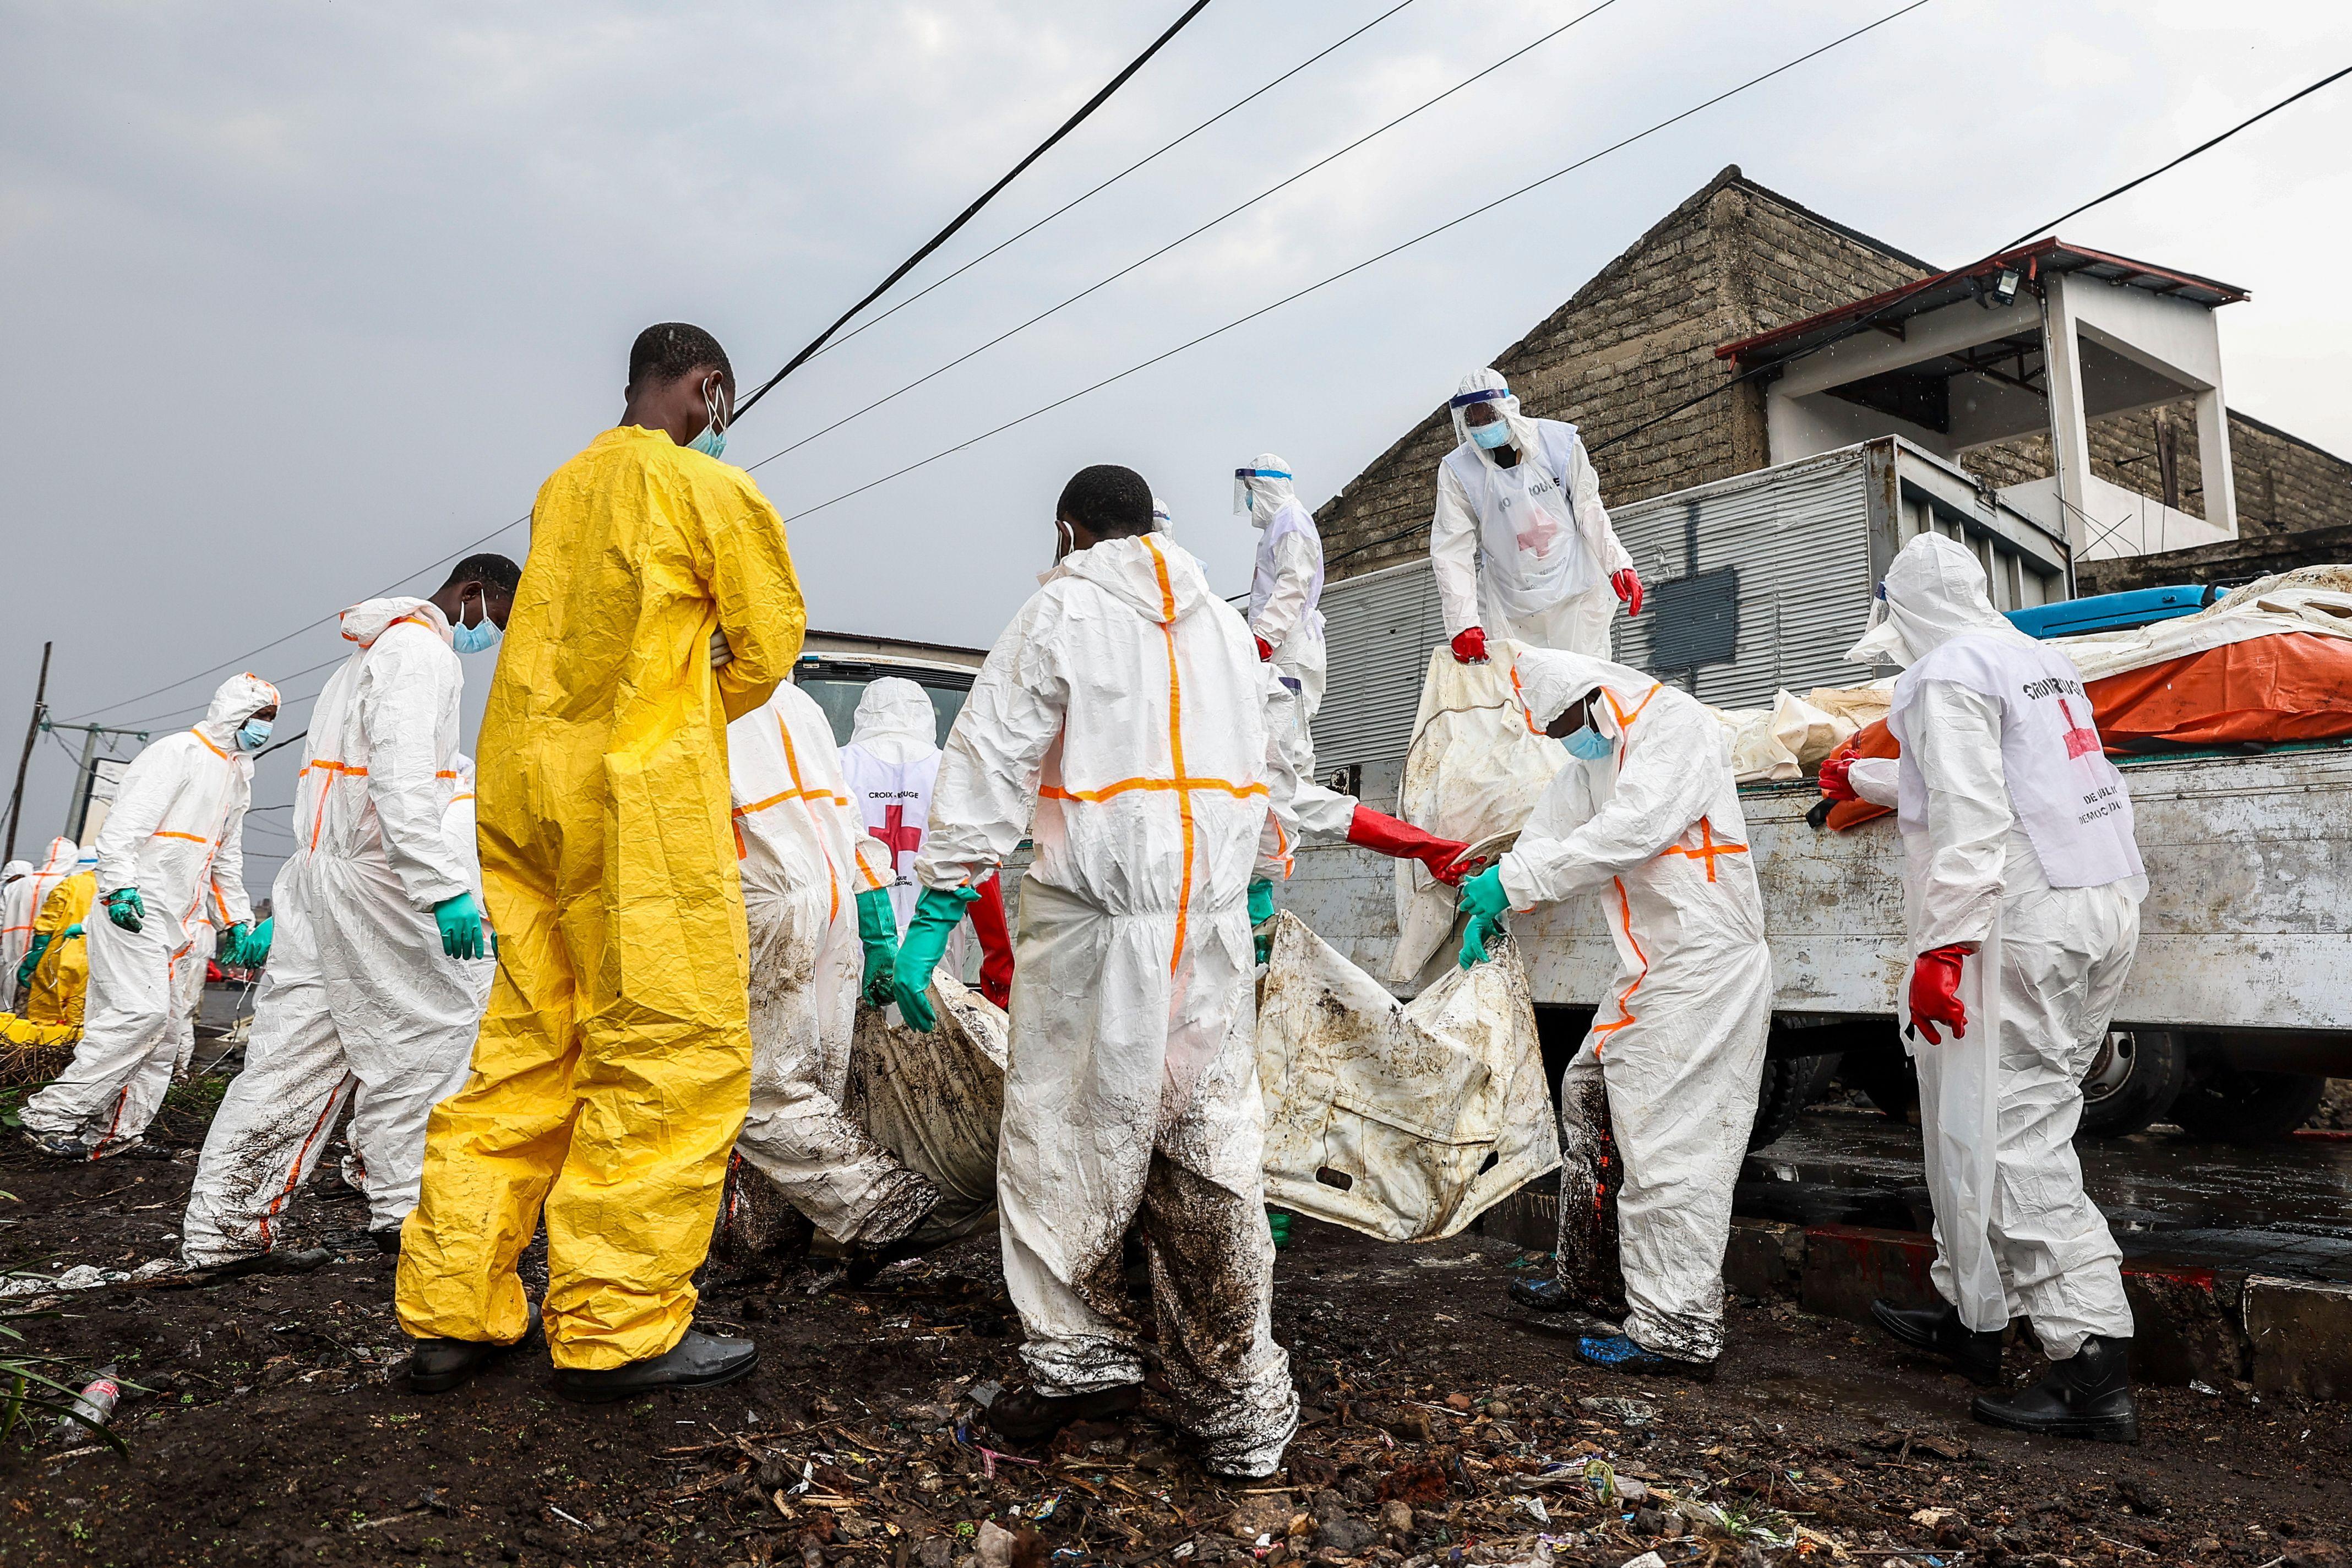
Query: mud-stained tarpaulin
[(1403, 1120), (934, 1100)]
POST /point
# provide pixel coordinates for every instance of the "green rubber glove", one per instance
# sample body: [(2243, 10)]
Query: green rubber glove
[(32, 960), (255, 952), (125, 908), (1279, 1222), (72, 931), (1484, 897), (1261, 910), (878, 928), (937, 914), (233, 942), (460, 920)]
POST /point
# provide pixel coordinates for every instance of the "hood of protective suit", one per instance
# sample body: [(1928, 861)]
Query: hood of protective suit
[(62, 852), (1263, 488), (895, 712), (1548, 682), (1933, 593), (366, 621), (14, 869), (1149, 572), (463, 766), (1488, 386), (240, 697), (1162, 521)]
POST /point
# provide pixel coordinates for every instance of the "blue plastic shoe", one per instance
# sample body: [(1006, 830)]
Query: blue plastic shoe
[(1618, 1353)]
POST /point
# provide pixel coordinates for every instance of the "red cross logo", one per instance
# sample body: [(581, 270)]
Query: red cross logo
[(2080, 741), (894, 832), (1536, 537)]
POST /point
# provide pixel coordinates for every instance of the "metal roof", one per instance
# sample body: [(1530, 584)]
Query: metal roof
[(1889, 309)]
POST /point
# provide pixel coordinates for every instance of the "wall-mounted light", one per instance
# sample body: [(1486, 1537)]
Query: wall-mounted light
[(2004, 287)]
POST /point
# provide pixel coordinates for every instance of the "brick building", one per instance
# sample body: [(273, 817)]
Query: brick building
[(1737, 261)]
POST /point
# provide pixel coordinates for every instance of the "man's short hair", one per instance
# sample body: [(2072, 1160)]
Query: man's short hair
[(668, 350), (1110, 500), (492, 571)]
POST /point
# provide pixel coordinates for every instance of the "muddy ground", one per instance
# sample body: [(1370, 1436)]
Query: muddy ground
[(276, 1431)]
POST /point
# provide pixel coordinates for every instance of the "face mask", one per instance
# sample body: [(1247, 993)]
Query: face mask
[(712, 442), (1490, 437), (1588, 744), (252, 735), (474, 639)]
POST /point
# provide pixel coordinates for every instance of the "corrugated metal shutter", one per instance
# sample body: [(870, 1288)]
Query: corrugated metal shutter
[(1377, 633)]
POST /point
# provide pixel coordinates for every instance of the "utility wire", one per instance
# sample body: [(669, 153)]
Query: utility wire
[(965, 217), (1863, 323), (1089, 195), (1143, 261)]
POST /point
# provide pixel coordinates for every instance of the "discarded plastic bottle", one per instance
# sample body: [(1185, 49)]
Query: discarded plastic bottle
[(94, 1405)]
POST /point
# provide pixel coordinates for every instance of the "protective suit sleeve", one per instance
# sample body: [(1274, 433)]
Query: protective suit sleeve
[(873, 861), (988, 773), (1294, 571), (410, 679), (1278, 838), (759, 598), (1878, 780), (1954, 736), (142, 798), (1453, 553), (228, 859), (1591, 517), (1324, 815), (1668, 777)]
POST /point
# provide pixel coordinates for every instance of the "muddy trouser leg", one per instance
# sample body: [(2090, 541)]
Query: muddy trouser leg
[(275, 1120), (1211, 1254), (407, 1012), (1682, 1082), (847, 1184), (104, 1095), (1590, 1175), (2065, 954)]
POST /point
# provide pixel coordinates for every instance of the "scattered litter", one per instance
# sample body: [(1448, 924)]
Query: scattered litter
[(984, 1394), (1647, 1560), (1629, 1410), (1535, 1505), (2197, 1387), (94, 1406), (568, 1518)]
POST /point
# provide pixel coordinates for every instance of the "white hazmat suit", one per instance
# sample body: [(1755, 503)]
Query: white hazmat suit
[(2018, 843), (1287, 596), (28, 889), (1525, 552), (1125, 706), (358, 998), (1677, 1047), (804, 855), (176, 833)]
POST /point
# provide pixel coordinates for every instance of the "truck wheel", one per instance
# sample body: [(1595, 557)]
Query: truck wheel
[(1790, 1085), (2133, 1082), (2232, 1107), (1885, 1078)]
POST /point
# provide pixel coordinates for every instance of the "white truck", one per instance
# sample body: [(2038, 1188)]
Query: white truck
[(2240, 1005)]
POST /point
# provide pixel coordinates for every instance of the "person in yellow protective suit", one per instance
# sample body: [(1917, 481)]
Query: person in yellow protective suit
[(60, 978), (27, 888), (613, 1068)]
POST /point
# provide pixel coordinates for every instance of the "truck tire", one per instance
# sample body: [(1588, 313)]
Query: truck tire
[(1790, 1085), (1886, 1079), (2232, 1107), (2133, 1082)]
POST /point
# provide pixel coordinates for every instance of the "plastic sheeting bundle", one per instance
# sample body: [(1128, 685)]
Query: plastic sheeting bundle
[(934, 1100), (1403, 1120)]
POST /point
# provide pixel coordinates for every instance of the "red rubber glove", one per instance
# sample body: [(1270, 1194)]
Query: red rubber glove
[(1628, 584), (1835, 786), (1372, 829), (1936, 992), (987, 916), (1265, 651), (1470, 646)]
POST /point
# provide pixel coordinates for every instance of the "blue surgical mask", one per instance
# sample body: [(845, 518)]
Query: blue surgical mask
[(712, 442), (253, 734), (1588, 744), (474, 639), (1490, 437)]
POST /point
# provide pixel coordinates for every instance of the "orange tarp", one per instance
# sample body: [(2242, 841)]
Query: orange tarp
[(2295, 686)]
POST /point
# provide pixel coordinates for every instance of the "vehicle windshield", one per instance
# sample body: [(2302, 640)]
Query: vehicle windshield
[(837, 694)]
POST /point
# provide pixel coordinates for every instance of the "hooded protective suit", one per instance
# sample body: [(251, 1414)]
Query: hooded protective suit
[(2017, 839), (358, 999), (891, 765), (614, 1065), (176, 833), (805, 858), (1125, 706), (1678, 1047), (27, 888), (1286, 594), (60, 991), (1525, 552)]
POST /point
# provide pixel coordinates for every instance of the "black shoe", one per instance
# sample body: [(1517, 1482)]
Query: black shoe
[(436, 1366), (2087, 1395), (276, 1260), (1026, 1415), (361, 1242), (1618, 1353), (59, 1146), (1976, 1353), (697, 1360), (1546, 1294)]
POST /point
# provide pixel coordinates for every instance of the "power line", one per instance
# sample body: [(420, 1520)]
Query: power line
[(1863, 321), (1142, 261), (965, 217)]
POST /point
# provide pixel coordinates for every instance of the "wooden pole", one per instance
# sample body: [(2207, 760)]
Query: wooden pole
[(32, 731)]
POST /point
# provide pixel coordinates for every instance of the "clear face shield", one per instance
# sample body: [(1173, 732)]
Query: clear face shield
[(1882, 640), (1483, 417), (1243, 496)]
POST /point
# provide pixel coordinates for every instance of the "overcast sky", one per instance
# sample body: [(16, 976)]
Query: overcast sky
[(296, 298)]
